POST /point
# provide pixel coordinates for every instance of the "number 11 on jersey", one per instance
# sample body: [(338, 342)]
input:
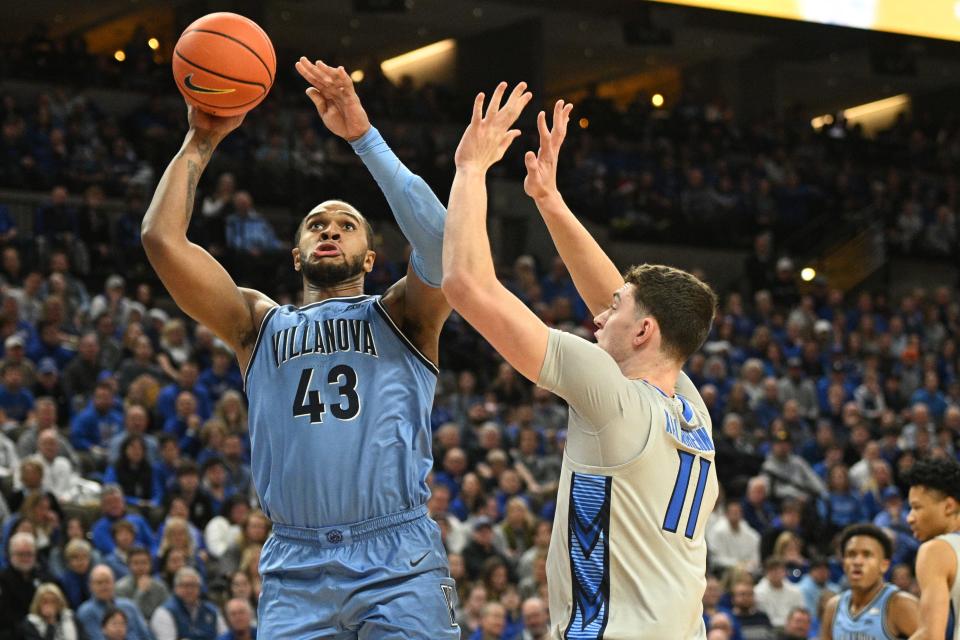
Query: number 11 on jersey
[(672, 520)]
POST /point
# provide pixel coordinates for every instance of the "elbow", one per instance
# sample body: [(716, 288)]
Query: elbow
[(459, 288)]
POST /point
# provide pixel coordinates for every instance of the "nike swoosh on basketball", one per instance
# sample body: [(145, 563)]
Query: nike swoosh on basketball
[(414, 563), (188, 82)]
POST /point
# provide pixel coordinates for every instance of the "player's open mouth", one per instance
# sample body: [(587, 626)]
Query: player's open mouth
[(326, 249)]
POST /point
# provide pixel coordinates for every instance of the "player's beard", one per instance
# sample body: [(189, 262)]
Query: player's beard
[(327, 273)]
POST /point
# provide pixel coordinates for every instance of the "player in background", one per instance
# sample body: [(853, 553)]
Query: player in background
[(934, 518), (627, 556), (871, 609), (340, 390)]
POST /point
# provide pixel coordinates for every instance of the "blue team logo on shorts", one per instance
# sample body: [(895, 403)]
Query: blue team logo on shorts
[(335, 536)]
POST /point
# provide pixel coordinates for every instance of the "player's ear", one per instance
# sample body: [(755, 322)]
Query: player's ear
[(296, 258), (368, 260), (643, 331), (884, 565)]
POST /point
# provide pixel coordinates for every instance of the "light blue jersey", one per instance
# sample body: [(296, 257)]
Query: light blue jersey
[(870, 623), (339, 415)]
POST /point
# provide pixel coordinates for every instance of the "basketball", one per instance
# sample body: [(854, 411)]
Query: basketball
[(224, 64)]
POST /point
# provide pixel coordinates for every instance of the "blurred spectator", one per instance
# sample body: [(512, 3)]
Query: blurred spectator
[(139, 585), (185, 613), (90, 615), (19, 583), (775, 595), (239, 615), (733, 543), (49, 617)]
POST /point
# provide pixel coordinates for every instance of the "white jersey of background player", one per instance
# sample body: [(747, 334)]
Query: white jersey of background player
[(628, 555)]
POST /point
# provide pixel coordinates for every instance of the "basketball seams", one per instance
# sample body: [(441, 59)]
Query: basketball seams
[(219, 75), (242, 44)]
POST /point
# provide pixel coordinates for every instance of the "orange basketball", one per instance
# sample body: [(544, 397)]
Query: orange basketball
[(224, 64)]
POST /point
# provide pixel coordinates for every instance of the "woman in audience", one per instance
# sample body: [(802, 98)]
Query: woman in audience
[(49, 617)]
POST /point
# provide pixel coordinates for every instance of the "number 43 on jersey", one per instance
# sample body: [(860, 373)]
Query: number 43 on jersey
[(307, 401)]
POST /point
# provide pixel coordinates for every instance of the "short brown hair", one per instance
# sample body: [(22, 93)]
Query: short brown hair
[(682, 304)]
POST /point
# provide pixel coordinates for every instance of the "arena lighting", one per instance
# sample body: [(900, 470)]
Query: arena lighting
[(119, 55), (808, 273), (657, 100), (584, 123), (357, 75), (410, 57), (153, 43), (864, 110), (878, 105)]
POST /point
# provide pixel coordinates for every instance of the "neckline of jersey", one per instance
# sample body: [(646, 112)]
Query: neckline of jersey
[(336, 298)]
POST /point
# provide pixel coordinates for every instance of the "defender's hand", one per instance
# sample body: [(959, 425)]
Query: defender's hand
[(488, 136), (333, 94), (541, 180)]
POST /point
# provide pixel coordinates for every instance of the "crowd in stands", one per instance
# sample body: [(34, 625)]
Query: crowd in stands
[(124, 447)]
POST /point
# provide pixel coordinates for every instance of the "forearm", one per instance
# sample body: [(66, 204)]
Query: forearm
[(416, 208), (593, 272), (466, 245), (172, 206)]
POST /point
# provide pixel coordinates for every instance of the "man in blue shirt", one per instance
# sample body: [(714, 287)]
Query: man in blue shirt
[(113, 507), (16, 401), (186, 381), (90, 613), (223, 374), (92, 428), (248, 234)]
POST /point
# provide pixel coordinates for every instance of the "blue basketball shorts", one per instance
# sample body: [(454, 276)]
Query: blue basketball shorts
[(377, 579)]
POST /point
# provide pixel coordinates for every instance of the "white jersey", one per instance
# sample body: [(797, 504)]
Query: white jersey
[(628, 554), (953, 628)]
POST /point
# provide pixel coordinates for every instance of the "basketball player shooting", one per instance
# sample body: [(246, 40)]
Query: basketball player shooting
[(340, 390), (628, 557)]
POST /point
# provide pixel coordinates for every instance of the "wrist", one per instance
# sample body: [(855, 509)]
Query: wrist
[(354, 138), (472, 169), (201, 142), (549, 201)]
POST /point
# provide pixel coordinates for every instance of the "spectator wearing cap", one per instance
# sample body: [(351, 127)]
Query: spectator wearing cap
[(92, 428), (893, 516), (80, 376), (480, 548), (112, 301), (776, 595), (15, 352), (733, 542), (15, 400), (790, 475), (795, 386), (816, 583), (223, 374), (49, 384)]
